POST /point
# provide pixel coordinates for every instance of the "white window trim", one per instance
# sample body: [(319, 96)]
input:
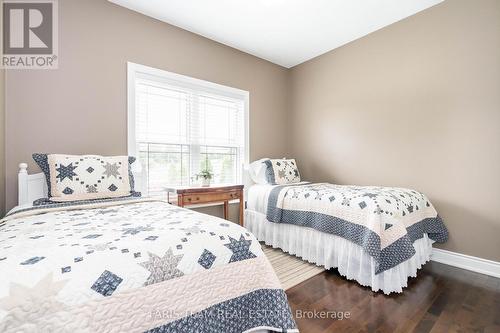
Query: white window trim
[(134, 70)]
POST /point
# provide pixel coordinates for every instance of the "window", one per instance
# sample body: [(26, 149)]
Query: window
[(179, 126)]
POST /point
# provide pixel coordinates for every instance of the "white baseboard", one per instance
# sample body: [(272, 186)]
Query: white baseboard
[(475, 264)]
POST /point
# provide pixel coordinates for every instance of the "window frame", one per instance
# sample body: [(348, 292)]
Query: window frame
[(135, 71)]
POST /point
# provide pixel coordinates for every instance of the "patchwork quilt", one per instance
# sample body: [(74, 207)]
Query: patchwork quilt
[(134, 265), (385, 221)]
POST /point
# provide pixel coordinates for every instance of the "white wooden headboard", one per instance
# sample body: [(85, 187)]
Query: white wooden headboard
[(32, 187)]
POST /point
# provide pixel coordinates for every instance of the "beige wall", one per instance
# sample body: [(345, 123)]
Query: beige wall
[(81, 107), (2, 134), (2, 142), (416, 104)]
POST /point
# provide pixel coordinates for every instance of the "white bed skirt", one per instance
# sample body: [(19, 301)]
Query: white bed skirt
[(331, 251)]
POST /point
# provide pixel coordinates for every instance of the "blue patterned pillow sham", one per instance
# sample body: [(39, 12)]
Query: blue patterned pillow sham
[(86, 177), (42, 161), (282, 171)]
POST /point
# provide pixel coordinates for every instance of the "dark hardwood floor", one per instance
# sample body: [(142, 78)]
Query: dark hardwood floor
[(441, 299)]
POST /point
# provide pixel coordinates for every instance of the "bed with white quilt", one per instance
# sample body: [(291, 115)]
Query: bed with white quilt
[(128, 264), (378, 236)]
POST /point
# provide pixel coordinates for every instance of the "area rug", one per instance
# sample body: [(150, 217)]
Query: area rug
[(290, 270)]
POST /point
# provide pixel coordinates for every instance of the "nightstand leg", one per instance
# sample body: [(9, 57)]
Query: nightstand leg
[(226, 210), (242, 204)]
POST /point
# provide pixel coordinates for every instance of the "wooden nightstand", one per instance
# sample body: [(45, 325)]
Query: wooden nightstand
[(212, 194)]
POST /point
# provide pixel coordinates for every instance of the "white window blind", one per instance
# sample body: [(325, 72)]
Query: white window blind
[(182, 128)]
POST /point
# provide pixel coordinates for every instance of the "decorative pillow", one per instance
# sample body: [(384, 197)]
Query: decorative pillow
[(43, 163), (85, 177), (282, 171), (257, 171)]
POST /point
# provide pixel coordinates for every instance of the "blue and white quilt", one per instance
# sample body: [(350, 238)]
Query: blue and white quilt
[(134, 266), (384, 221)]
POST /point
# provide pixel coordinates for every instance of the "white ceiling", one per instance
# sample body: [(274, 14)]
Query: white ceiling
[(285, 32)]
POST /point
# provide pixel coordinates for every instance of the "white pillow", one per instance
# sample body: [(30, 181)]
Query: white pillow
[(257, 171)]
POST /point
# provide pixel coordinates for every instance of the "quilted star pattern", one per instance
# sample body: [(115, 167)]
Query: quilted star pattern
[(111, 170), (240, 249), (65, 172), (162, 268), (42, 297)]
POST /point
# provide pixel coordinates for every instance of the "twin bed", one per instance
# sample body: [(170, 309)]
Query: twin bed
[(131, 264), (378, 236)]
